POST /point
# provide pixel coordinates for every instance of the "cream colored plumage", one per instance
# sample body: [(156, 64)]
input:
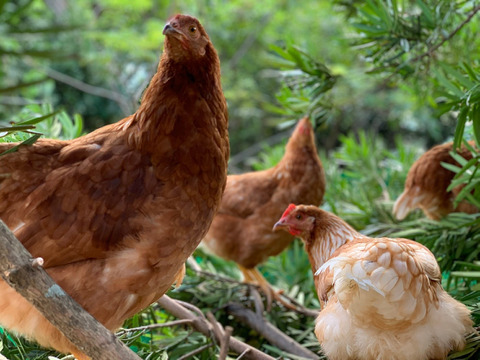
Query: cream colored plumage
[(381, 298)]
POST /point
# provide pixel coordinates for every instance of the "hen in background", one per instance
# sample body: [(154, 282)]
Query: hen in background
[(427, 183), (252, 202), (381, 298), (116, 213)]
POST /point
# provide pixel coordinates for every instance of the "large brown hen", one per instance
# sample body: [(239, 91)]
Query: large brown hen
[(427, 183), (116, 213), (381, 298), (252, 202)]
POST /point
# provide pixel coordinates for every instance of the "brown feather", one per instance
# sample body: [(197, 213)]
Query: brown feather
[(252, 202), (427, 182), (116, 213)]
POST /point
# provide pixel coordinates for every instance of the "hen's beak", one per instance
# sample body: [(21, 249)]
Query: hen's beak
[(279, 225), (170, 29)]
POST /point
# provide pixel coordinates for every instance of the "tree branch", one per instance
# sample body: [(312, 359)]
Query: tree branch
[(153, 326), (29, 279), (448, 37), (206, 328), (124, 104), (225, 343), (90, 89), (268, 331)]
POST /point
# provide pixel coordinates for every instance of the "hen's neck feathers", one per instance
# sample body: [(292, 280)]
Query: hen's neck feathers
[(329, 233), (178, 83), (299, 151)]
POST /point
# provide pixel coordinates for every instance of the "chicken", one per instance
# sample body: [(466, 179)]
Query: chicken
[(427, 183), (381, 298), (116, 213), (252, 202)]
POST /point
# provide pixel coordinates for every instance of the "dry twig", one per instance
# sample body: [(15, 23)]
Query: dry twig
[(225, 343), (195, 352), (268, 331), (154, 326), (206, 328)]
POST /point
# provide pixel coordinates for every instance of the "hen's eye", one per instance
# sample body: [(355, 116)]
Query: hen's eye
[(298, 216), (193, 29)]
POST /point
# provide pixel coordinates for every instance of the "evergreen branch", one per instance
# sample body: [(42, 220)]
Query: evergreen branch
[(448, 37)]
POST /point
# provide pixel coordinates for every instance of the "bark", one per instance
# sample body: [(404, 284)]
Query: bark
[(29, 279), (206, 328), (273, 335)]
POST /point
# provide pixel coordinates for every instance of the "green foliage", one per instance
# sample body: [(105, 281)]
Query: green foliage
[(467, 177), (34, 121), (305, 84), (398, 36), (407, 71), (367, 164)]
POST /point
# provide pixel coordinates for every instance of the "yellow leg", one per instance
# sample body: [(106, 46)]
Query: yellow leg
[(253, 276), (80, 356)]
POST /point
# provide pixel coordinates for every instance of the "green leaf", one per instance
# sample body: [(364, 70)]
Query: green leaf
[(466, 274), (29, 141), (462, 79), (10, 129), (473, 75), (448, 84), (459, 130), (369, 29), (36, 120), (475, 117), (22, 85), (429, 15)]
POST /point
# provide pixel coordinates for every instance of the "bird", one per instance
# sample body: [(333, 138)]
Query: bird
[(116, 213), (252, 202), (381, 298), (427, 182)]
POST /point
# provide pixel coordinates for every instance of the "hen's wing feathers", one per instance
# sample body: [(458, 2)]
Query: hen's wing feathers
[(83, 205), (258, 188), (397, 278), (427, 182)]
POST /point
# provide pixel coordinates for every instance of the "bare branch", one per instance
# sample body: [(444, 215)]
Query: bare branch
[(34, 284), (206, 328), (121, 100), (268, 331), (124, 104), (193, 264), (154, 326), (225, 343), (195, 352)]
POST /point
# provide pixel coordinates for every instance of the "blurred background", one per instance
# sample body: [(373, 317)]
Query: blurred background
[(95, 58), (382, 81)]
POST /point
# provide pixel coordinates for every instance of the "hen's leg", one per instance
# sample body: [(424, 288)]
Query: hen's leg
[(253, 276), (80, 356)]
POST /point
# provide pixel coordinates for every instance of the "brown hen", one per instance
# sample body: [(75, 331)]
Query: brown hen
[(116, 213), (252, 202), (381, 298), (427, 183)]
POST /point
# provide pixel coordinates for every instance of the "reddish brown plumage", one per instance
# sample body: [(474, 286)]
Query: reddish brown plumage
[(116, 213), (381, 298), (252, 202), (427, 183)]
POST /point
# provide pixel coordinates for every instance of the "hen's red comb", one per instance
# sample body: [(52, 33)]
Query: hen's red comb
[(289, 210)]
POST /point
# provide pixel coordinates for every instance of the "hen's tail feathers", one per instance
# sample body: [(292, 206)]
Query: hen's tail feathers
[(406, 202)]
